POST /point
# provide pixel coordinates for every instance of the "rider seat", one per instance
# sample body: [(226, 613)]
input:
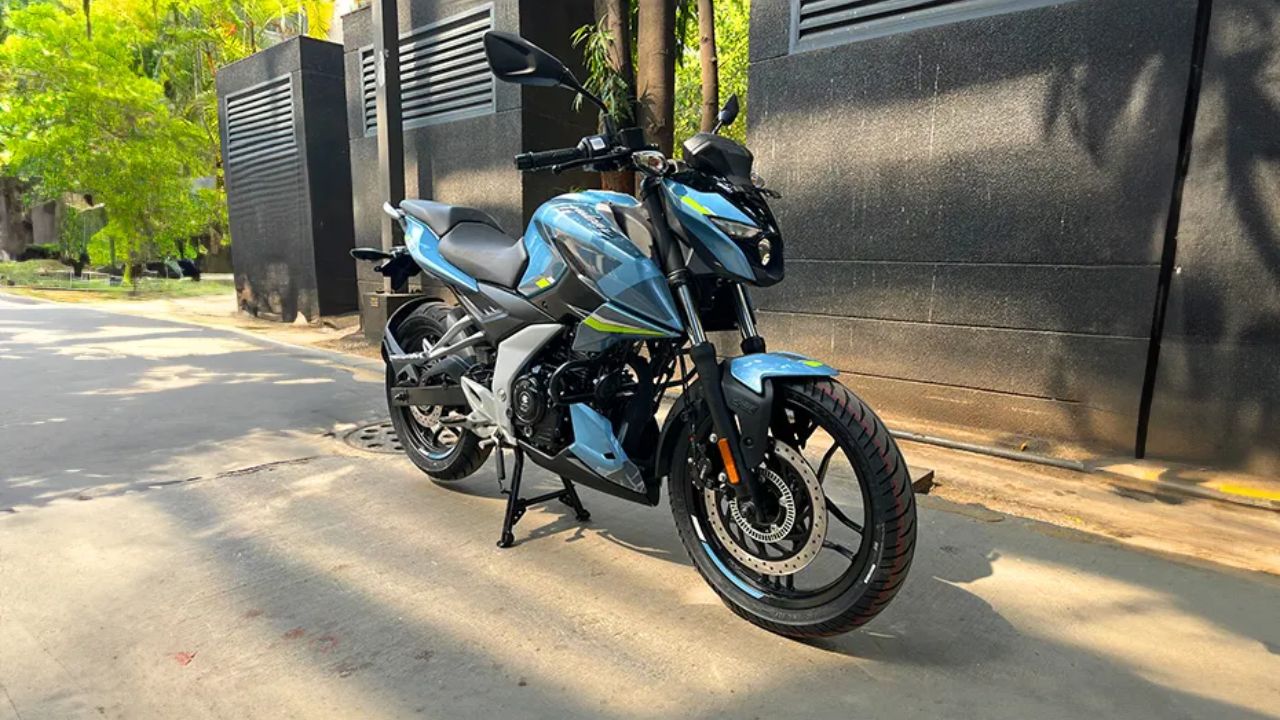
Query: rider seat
[(472, 241)]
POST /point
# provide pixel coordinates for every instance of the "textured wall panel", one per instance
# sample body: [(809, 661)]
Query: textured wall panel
[(975, 204), (284, 136), (1217, 396)]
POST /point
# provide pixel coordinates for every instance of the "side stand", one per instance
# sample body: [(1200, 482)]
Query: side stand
[(516, 505)]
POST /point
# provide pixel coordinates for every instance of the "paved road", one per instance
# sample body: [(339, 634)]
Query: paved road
[(335, 583), (97, 403)]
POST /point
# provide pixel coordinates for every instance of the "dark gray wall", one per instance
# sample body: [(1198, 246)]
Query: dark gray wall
[(469, 161), (1217, 397), (291, 220), (974, 212)]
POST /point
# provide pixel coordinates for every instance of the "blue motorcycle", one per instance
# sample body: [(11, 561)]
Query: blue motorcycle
[(789, 494)]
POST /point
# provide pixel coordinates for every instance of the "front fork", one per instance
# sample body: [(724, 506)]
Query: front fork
[(743, 480)]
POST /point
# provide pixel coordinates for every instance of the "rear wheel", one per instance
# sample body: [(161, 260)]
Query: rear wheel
[(445, 453), (835, 543)]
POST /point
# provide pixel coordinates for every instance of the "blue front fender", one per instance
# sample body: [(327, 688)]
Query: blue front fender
[(753, 370)]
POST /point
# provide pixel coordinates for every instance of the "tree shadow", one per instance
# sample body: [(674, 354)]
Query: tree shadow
[(940, 648), (1218, 396)]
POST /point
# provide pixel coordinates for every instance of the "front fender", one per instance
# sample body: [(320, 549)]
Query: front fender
[(749, 392), (754, 370)]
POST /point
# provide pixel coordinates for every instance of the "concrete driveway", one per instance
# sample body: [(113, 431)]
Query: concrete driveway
[(299, 577)]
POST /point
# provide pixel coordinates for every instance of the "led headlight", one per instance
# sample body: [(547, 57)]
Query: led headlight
[(765, 248), (736, 230)]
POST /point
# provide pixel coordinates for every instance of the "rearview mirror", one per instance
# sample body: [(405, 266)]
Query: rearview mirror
[(729, 112), (516, 60)]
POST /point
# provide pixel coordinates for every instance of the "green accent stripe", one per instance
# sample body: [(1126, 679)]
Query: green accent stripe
[(688, 200), (599, 325)]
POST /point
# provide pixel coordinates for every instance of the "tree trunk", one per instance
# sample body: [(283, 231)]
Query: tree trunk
[(656, 70), (710, 60), (88, 23), (615, 15)]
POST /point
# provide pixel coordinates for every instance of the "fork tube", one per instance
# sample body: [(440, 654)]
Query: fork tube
[(752, 343), (701, 351), (696, 334)]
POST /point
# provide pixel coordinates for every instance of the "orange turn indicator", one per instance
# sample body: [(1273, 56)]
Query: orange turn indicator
[(729, 468)]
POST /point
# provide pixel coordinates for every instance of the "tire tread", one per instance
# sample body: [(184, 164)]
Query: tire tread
[(893, 504)]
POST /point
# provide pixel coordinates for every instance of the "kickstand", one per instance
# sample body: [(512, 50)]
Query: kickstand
[(516, 505)]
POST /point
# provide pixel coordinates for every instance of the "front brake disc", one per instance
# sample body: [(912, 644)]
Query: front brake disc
[(801, 503)]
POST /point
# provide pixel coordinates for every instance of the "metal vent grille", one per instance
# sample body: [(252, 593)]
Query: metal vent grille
[(820, 23), (443, 73), (261, 159)]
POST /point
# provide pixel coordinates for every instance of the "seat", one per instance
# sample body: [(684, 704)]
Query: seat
[(485, 253), (441, 217)]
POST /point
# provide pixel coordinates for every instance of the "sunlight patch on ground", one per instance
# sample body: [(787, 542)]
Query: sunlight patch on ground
[(1126, 622), (159, 348), (178, 377), (33, 423), (27, 335)]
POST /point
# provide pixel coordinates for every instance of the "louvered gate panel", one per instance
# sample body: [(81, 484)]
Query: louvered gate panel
[(263, 175), (443, 73), (816, 23)]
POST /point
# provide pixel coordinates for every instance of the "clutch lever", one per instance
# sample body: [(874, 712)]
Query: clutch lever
[(612, 157)]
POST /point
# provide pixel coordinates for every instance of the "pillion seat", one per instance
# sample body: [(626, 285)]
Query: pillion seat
[(472, 241)]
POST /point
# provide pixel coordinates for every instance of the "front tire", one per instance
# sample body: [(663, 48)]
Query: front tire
[(793, 603), (445, 454)]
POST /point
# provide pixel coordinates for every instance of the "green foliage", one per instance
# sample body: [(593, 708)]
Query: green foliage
[(130, 114), (36, 275), (78, 117), (602, 79), (70, 233), (732, 23)]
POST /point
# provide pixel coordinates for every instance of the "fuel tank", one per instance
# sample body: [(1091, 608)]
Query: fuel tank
[(579, 250)]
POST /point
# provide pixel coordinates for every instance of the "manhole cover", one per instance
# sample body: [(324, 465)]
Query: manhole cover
[(378, 437)]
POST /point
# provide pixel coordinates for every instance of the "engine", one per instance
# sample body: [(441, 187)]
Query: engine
[(534, 413), (617, 385)]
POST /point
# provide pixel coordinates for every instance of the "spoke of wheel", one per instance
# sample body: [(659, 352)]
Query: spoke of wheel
[(826, 462), (431, 434), (831, 508), (810, 426), (839, 548)]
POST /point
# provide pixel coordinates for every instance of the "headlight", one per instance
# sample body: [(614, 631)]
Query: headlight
[(765, 248), (736, 230)]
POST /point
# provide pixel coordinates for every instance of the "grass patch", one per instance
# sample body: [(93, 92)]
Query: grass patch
[(51, 275)]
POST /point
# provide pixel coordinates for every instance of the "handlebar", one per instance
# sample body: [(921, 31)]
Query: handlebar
[(548, 158), (600, 153)]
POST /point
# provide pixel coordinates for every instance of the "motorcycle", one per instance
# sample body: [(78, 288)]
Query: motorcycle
[(788, 493)]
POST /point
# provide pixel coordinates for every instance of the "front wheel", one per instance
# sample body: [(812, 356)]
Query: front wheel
[(835, 543)]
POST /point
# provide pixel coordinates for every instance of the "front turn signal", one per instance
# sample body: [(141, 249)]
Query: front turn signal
[(730, 469)]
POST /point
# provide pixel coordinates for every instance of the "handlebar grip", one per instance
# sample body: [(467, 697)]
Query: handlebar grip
[(537, 160)]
